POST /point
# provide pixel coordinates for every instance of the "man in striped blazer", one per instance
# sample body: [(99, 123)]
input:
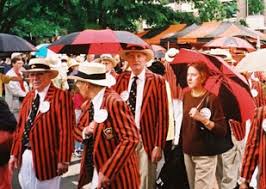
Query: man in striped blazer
[(255, 151), (43, 142), (107, 125), (146, 95)]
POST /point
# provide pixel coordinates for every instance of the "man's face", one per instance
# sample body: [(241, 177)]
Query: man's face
[(18, 65), (136, 61), (108, 64), (83, 88), (40, 80)]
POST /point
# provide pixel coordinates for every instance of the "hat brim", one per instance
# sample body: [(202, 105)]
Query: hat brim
[(148, 52), (168, 58), (114, 63), (100, 82), (54, 72)]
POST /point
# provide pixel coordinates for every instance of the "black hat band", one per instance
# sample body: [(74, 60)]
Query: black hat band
[(39, 66), (91, 76)]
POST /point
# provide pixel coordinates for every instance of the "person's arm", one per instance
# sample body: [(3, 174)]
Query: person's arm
[(251, 154), (66, 124), (216, 123), (123, 126), (7, 119)]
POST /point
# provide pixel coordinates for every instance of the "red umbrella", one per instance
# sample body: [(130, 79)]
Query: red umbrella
[(224, 82), (96, 42), (230, 42)]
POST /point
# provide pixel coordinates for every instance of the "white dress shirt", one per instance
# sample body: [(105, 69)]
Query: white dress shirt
[(97, 103), (42, 95), (139, 97)]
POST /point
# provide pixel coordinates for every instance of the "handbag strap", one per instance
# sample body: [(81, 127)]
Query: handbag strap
[(206, 96)]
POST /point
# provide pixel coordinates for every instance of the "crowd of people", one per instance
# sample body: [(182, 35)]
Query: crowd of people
[(125, 115)]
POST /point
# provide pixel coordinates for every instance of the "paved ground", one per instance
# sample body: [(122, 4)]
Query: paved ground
[(70, 179)]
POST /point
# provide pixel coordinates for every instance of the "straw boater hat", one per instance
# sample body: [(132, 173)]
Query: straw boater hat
[(148, 52), (72, 62), (170, 54), (107, 57), (40, 65), (93, 72)]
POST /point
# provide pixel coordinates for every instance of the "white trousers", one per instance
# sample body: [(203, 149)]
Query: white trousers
[(27, 177)]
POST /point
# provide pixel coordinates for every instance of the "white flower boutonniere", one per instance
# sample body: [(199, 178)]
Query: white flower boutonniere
[(44, 106), (264, 125), (100, 115)]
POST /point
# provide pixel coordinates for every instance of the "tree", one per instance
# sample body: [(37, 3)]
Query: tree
[(45, 18), (210, 10), (255, 6)]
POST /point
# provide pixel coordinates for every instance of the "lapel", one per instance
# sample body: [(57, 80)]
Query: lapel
[(146, 91), (123, 82), (28, 105), (98, 133), (49, 97)]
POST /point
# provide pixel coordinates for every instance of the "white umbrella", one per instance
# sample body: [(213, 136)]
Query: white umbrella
[(253, 62)]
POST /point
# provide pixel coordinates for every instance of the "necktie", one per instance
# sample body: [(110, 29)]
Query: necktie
[(132, 95), (89, 159), (34, 110)]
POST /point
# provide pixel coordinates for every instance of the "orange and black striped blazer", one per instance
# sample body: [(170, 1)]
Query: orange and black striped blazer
[(114, 157), (260, 99), (154, 110), (51, 136), (255, 150)]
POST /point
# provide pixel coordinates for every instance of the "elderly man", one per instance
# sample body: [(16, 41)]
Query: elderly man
[(146, 95), (107, 125), (43, 143)]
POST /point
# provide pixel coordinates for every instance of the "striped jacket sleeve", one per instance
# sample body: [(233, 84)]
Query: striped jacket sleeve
[(251, 154), (123, 123), (162, 109), (65, 120)]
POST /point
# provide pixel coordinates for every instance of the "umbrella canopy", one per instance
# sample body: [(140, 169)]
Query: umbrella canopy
[(154, 35), (253, 62), (173, 38), (43, 51), (12, 43), (230, 42), (96, 42), (210, 30), (224, 82), (158, 50)]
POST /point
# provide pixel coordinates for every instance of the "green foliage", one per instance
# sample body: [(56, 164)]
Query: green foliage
[(255, 6), (230, 9), (210, 10)]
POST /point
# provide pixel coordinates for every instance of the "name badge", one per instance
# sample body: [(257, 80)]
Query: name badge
[(254, 92), (124, 95), (100, 116), (108, 133), (264, 125), (206, 112)]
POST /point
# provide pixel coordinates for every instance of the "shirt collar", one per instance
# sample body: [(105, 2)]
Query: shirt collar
[(141, 76), (43, 92), (97, 100)]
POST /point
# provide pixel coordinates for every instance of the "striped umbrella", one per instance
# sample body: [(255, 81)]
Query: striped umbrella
[(230, 42), (96, 42)]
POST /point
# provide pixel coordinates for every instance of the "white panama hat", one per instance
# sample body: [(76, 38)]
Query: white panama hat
[(170, 54), (92, 72), (40, 65)]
